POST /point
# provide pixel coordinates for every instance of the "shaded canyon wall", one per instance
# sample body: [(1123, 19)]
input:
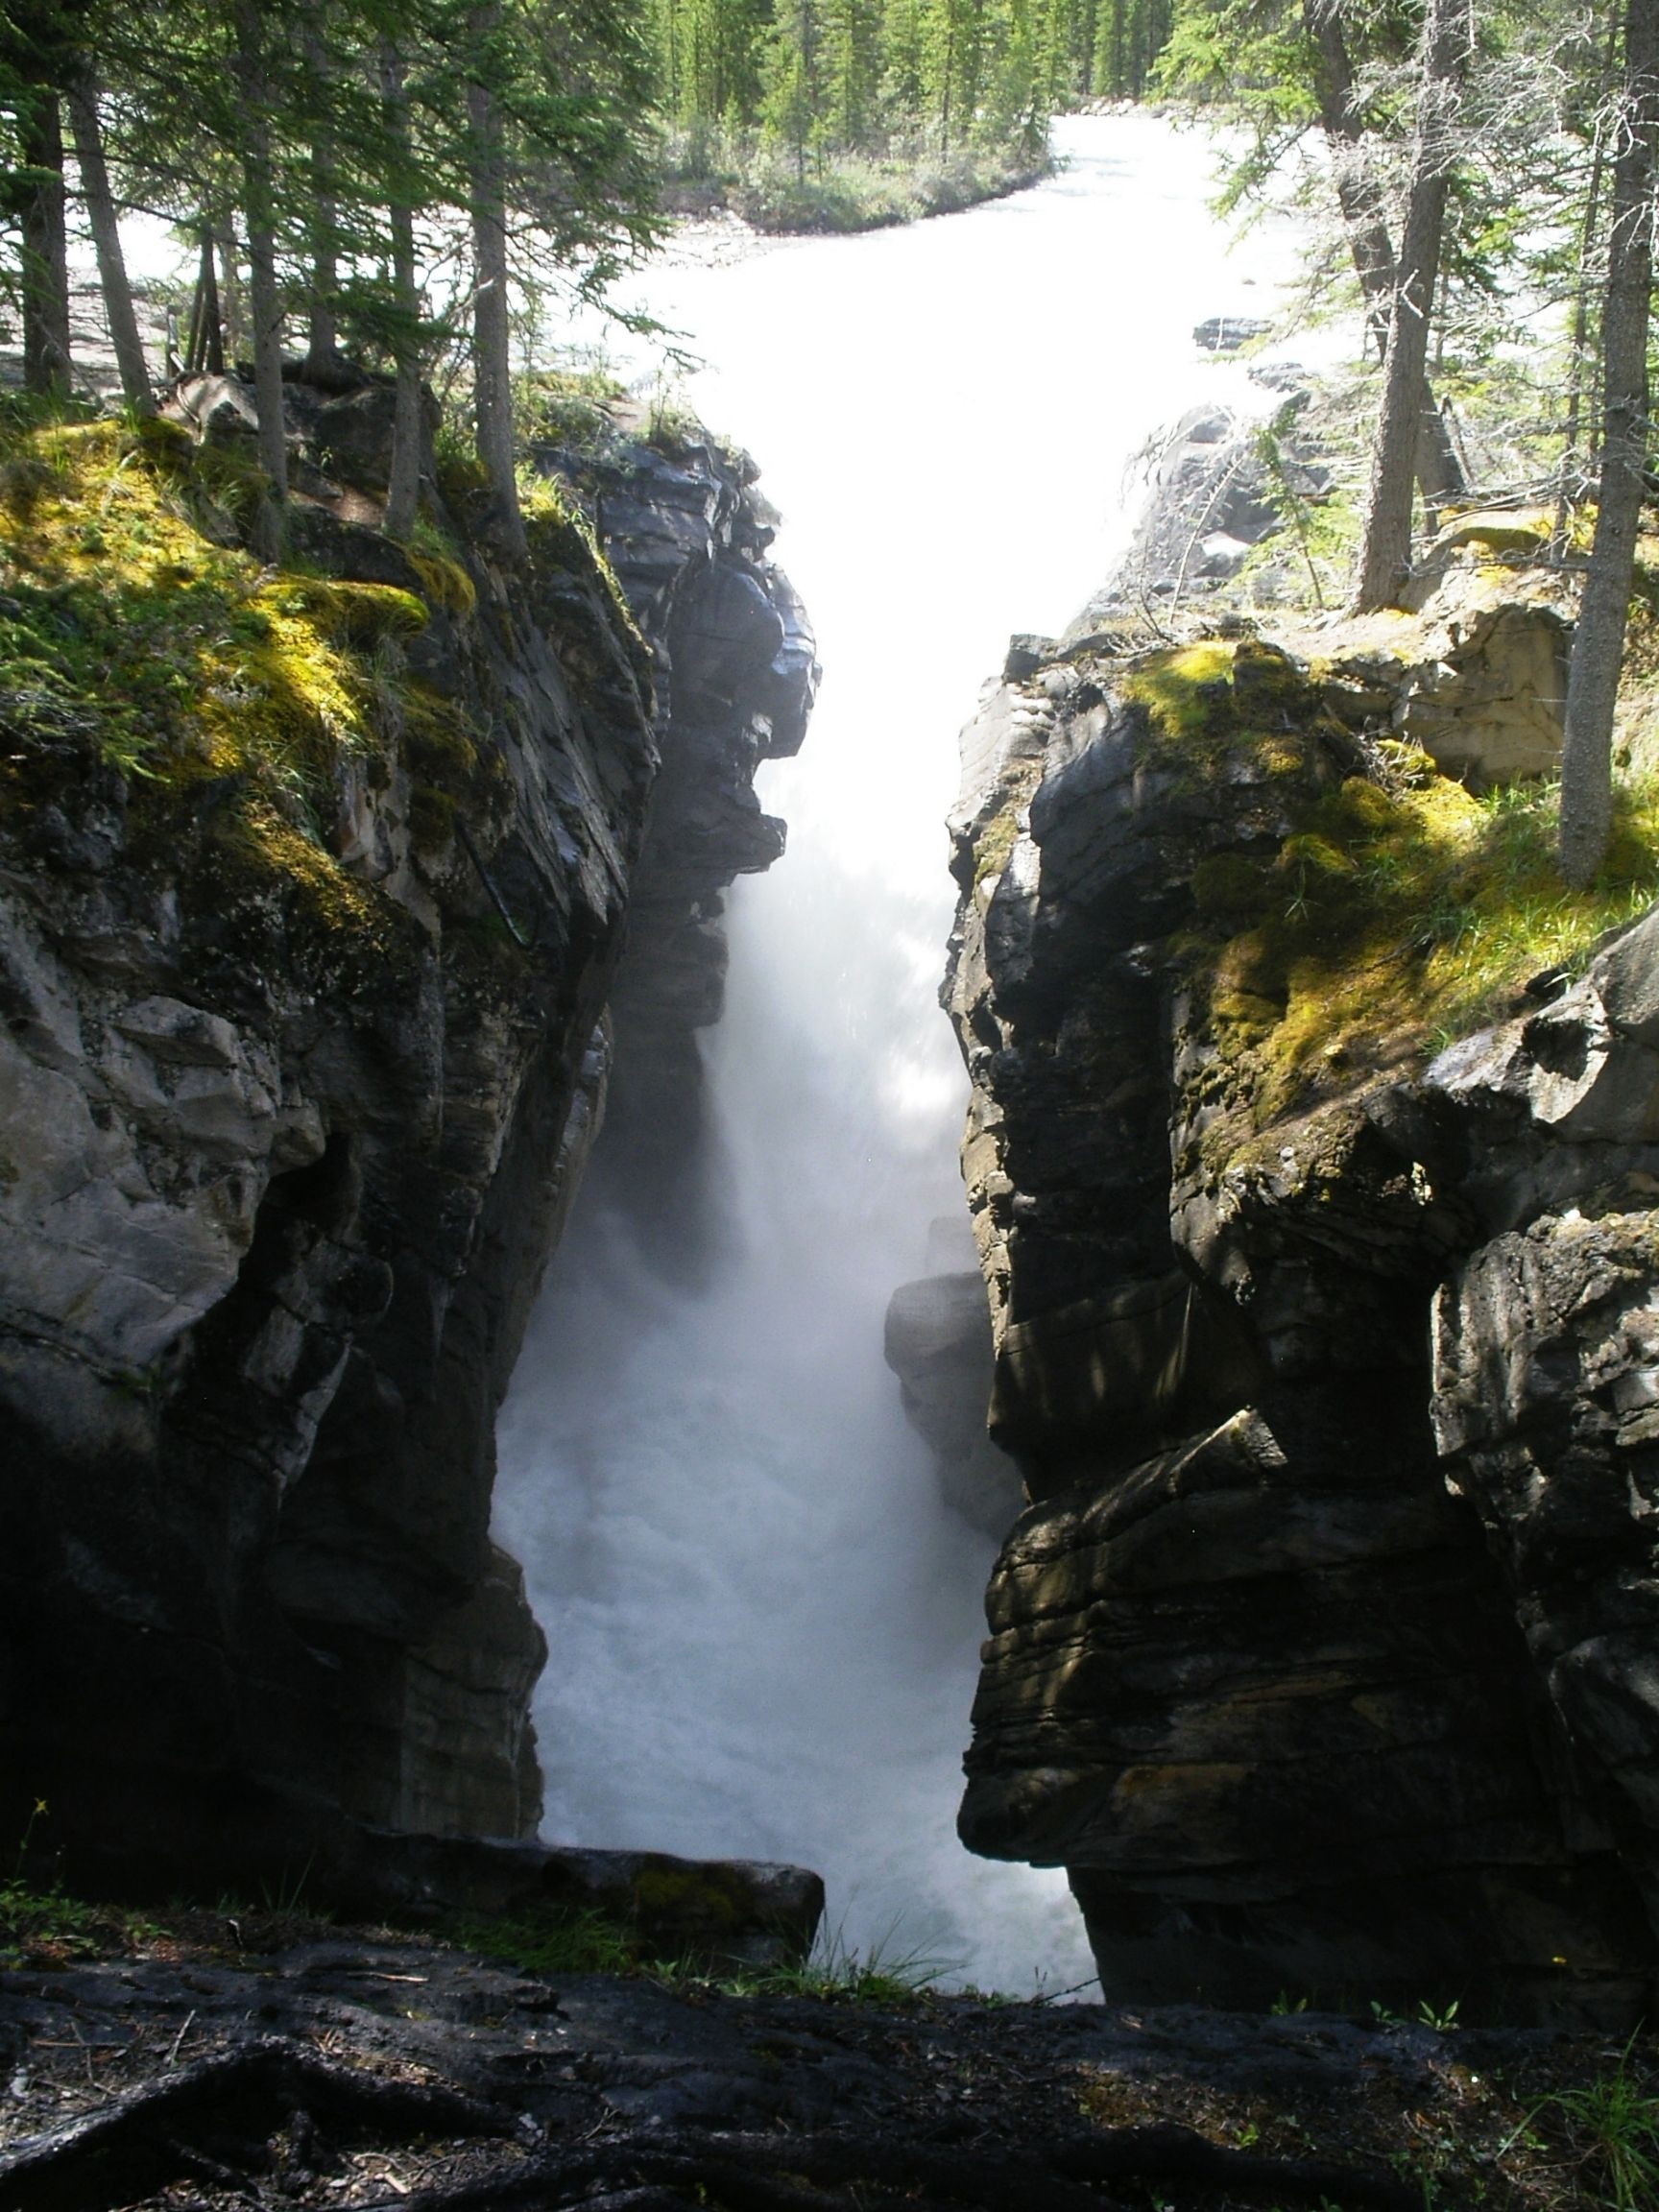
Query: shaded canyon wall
[(282, 1170), (1322, 1653)]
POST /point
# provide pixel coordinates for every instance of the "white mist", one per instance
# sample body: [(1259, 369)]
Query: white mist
[(763, 1626)]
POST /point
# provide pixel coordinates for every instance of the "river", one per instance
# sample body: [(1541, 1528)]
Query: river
[(764, 1627)]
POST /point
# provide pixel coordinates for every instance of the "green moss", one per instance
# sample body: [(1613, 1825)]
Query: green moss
[(995, 844), (713, 1898), (230, 698), (1243, 707), (432, 817), (1391, 919), (1227, 887), (442, 578), (1395, 911), (563, 544), (348, 612), (572, 404), (1185, 692)]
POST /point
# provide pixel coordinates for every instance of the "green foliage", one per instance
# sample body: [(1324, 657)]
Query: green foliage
[(42, 1923), (571, 405), (1131, 37), (228, 696), (1612, 2125), (570, 1939), (839, 114), (313, 133), (1395, 913), (886, 1974), (550, 1940)]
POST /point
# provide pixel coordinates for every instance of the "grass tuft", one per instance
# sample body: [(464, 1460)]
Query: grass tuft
[(1612, 2127), (566, 1939)]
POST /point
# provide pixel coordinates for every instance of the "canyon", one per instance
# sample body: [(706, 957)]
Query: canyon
[(1322, 1339), (1296, 1347)]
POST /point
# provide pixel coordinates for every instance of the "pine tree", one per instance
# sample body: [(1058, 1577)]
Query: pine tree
[(852, 71), (794, 98), (1598, 638), (1385, 547), (105, 224), (40, 55)]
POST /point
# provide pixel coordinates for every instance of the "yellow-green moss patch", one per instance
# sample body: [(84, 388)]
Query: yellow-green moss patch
[(228, 694), (1392, 920)]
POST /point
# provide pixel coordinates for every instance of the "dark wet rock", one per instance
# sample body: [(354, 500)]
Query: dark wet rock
[(938, 1342), (1226, 334), (279, 1180), (1320, 1655), (737, 678)]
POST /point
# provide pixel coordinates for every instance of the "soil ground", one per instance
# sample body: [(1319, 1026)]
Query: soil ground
[(263, 2060)]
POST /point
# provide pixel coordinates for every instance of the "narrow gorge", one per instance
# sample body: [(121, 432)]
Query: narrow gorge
[(505, 1401)]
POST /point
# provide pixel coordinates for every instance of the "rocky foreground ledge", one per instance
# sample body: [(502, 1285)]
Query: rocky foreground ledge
[(258, 2059)]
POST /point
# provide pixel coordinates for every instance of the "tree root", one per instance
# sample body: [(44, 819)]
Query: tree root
[(134, 2146), (213, 2121), (793, 2173)]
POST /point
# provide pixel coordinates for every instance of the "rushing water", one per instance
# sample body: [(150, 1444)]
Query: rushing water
[(764, 1627)]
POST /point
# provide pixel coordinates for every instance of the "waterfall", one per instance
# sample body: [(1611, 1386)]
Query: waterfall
[(763, 1625)]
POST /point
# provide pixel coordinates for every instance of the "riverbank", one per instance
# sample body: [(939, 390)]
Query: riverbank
[(238, 2058), (844, 192)]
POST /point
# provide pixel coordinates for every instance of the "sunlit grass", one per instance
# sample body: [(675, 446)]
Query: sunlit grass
[(1393, 920), (1399, 911), (138, 636)]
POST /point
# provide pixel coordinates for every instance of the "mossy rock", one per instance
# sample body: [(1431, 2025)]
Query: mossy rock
[(1228, 887), (1523, 530)]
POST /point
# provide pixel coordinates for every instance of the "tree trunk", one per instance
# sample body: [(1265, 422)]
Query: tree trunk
[(265, 297), (323, 364), (232, 303), (403, 489), (1598, 641), (107, 239), (205, 346), (1581, 307), (1386, 548), (491, 330), (46, 288), (1439, 471), (403, 492)]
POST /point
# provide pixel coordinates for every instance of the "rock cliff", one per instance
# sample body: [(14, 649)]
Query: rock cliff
[(312, 897), (1321, 1656)]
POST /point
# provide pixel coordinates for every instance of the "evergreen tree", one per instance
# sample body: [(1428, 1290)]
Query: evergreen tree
[(1598, 638), (904, 64), (794, 97), (852, 31), (1386, 548), (42, 55), (954, 47)]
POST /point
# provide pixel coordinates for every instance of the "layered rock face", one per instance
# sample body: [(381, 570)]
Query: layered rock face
[(284, 1157), (1322, 1657), (737, 674)]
